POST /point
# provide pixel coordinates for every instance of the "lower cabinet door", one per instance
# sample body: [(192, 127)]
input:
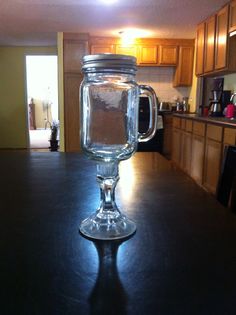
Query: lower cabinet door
[(212, 165), (167, 143), (186, 152), (176, 145), (197, 161)]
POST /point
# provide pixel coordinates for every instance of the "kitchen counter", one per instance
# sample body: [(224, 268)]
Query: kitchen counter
[(198, 146), (213, 120)]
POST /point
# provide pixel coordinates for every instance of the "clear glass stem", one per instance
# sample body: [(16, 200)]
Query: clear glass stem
[(107, 178), (107, 223)]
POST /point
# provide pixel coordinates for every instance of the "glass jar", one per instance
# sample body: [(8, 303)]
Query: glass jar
[(109, 100)]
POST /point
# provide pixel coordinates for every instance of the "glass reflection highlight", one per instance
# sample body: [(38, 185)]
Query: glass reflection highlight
[(127, 179)]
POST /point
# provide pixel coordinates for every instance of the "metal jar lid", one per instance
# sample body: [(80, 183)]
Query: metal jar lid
[(109, 62)]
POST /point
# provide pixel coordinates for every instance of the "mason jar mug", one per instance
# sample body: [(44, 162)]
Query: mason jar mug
[(109, 100)]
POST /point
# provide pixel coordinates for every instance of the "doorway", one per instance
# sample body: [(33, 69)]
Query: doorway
[(42, 98)]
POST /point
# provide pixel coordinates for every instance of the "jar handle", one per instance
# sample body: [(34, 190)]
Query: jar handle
[(150, 93)]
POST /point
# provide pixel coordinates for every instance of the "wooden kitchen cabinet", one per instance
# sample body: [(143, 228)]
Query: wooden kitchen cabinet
[(219, 48), (200, 42), (212, 165), (213, 156), (198, 148), (182, 133), (198, 151), (185, 162), (71, 112), (229, 136), (168, 55), (164, 55), (153, 52), (148, 54), (75, 47), (232, 16), (221, 38), (182, 143), (197, 161), (177, 122), (73, 51), (102, 49), (176, 140), (186, 155), (209, 52), (184, 70), (131, 50), (176, 145), (167, 141)]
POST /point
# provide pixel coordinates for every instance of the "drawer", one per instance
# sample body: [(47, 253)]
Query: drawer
[(182, 123), (189, 125), (168, 119), (199, 128), (230, 136), (176, 122), (214, 132)]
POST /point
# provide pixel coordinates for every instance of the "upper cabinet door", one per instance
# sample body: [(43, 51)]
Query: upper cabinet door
[(102, 49), (221, 38), (148, 54), (168, 55), (184, 70), (200, 49), (209, 45), (232, 19), (73, 51), (130, 50)]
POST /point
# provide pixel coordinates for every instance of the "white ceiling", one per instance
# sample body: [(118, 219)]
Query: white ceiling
[(36, 22)]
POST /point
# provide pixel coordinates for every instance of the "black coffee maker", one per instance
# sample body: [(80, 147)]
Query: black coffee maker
[(225, 99), (215, 108)]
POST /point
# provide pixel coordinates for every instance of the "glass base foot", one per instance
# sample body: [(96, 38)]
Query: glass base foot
[(109, 226)]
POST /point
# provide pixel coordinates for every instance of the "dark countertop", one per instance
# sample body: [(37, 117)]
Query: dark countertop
[(181, 260), (214, 120)]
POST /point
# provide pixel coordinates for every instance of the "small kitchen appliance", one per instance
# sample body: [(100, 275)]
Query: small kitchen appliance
[(225, 99), (185, 104), (215, 108), (231, 108), (156, 143)]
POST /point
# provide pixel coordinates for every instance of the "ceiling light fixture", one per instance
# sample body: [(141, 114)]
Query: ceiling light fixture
[(232, 33), (128, 36), (108, 2)]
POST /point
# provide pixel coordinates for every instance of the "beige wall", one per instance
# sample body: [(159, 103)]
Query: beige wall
[(13, 107), (230, 82)]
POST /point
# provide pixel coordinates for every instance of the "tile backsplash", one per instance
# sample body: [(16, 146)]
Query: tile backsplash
[(161, 80)]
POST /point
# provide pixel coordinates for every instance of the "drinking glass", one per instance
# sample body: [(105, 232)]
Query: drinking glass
[(109, 100)]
